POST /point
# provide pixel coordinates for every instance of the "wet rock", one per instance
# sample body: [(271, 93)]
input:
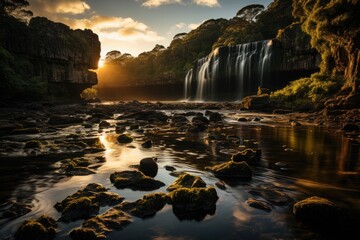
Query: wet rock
[(145, 207), (86, 203), (220, 185), (186, 180), (316, 211), (257, 119), (200, 120), (64, 120), (134, 180), (80, 208), (273, 196), (179, 119), (215, 117), (250, 156), (120, 129), (124, 139), (97, 227), (196, 128), (17, 210), (242, 119), (33, 130), (84, 234), (147, 144), (350, 127), (169, 168), (194, 199), (42, 228), (134, 127), (150, 116), (258, 204), (8, 127), (148, 166), (295, 124), (232, 170), (33, 144), (104, 124), (256, 102)]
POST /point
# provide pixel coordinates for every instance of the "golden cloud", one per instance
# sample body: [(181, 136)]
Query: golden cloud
[(45, 7)]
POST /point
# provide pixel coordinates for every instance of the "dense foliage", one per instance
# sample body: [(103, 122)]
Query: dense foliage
[(333, 26)]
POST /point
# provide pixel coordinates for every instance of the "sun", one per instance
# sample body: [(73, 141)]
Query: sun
[(101, 63)]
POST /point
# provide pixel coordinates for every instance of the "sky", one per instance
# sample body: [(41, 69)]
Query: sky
[(136, 26)]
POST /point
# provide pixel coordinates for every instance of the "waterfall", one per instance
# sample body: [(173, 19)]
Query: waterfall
[(230, 73)]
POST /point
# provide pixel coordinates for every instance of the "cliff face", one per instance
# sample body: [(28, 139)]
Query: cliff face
[(57, 53), (297, 55)]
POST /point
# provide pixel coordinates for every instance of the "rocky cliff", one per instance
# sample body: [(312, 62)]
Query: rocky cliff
[(57, 54), (297, 55)]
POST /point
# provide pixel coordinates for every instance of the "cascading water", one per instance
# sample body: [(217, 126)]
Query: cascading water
[(230, 73)]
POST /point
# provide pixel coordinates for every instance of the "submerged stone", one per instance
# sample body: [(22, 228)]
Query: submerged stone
[(86, 203), (250, 156), (232, 169), (134, 180), (145, 207), (17, 210), (42, 228), (186, 180), (273, 196), (97, 227), (258, 204)]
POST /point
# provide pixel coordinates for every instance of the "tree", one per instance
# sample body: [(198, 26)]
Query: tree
[(334, 29), (250, 12), (112, 55), (15, 8)]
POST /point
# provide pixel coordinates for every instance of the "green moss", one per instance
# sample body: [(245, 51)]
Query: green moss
[(193, 199), (41, 228), (186, 180), (307, 93)]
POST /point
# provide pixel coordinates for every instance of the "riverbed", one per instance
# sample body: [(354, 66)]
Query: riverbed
[(300, 160)]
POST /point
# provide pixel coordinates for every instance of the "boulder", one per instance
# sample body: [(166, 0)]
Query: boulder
[(124, 139), (134, 180), (256, 102), (186, 180), (145, 207), (149, 167), (42, 228), (232, 169), (316, 211), (97, 227)]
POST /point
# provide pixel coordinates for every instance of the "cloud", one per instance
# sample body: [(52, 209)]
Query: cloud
[(157, 3), (207, 3), (45, 7), (116, 28)]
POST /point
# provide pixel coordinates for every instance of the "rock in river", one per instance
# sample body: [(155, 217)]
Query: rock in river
[(42, 228), (186, 180), (135, 180), (148, 166), (232, 169)]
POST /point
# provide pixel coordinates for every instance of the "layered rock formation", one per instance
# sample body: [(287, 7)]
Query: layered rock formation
[(57, 54)]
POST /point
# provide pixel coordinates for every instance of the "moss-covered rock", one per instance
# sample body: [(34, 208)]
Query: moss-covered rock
[(194, 199), (145, 207), (186, 180), (97, 227), (316, 211), (232, 169), (42, 228), (250, 156), (134, 180), (86, 203)]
